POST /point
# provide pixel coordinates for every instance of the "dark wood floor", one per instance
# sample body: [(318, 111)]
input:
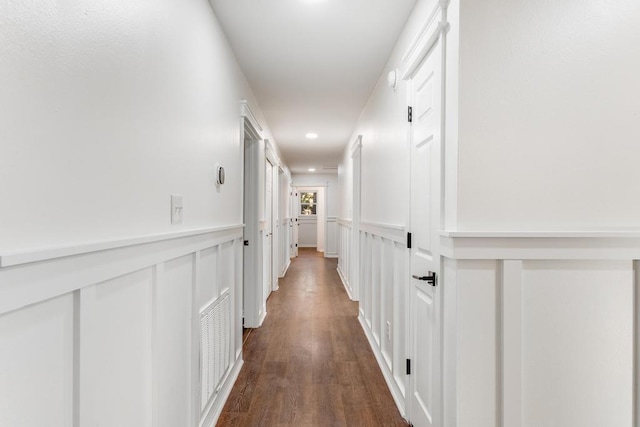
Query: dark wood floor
[(310, 363), (309, 252)]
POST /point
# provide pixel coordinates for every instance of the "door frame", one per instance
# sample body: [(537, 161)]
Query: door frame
[(324, 187), (251, 147), (432, 34), (356, 181), (271, 157)]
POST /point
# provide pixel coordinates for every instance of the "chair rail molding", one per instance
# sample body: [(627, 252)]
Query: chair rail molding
[(396, 233), (541, 245)]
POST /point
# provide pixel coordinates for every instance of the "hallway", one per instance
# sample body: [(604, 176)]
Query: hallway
[(310, 363)]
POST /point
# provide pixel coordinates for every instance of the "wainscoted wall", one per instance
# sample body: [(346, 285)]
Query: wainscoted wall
[(110, 333), (344, 255), (307, 231), (331, 244), (383, 301), (284, 246), (540, 329)]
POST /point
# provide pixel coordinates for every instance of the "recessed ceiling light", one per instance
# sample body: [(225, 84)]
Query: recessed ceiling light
[(312, 169), (312, 135)]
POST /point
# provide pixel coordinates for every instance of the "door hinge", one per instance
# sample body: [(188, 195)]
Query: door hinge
[(410, 114), (408, 366), (408, 240), (246, 243)]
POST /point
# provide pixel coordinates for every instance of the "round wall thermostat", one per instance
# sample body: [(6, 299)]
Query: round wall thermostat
[(219, 175)]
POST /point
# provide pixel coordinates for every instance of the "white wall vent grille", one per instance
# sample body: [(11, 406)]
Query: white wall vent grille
[(215, 342)]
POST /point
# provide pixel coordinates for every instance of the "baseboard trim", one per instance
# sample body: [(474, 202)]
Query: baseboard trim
[(386, 373), (216, 409), (286, 268), (345, 283)]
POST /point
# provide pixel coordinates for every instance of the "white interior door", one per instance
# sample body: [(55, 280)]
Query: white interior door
[(425, 379), (295, 211), (268, 230)]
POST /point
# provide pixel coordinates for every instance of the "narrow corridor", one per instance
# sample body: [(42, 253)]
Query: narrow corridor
[(310, 363)]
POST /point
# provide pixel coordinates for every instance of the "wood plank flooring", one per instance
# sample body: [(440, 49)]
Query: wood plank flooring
[(310, 363)]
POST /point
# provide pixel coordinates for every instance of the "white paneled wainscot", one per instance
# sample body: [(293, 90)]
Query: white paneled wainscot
[(140, 332), (539, 328), (331, 241), (345, 262), (383, 301)]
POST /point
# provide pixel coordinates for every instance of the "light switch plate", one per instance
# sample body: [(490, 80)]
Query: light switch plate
[(176, 209)]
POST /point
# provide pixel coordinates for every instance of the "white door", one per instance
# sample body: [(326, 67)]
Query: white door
[(425, 378), (268, 230), (295, 212)]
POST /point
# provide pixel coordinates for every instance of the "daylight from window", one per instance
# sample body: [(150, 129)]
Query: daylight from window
[(308, 202)]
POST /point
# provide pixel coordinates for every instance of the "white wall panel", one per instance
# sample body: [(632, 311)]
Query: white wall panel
[(172, 344), (539, 342), (307, 232), (331, 245), (387, 266), (36, 365), (477, 343), (344, 255), (399, 308), (207, 285), (120, 351), (376, 278), (383, 299), (115, 352), (577, 343)]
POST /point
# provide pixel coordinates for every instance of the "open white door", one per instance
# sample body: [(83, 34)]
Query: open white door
[(425, 294)]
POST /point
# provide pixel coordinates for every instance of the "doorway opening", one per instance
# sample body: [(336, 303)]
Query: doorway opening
[(311, 221)]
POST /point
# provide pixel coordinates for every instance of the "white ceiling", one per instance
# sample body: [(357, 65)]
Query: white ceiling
[(312, 64)]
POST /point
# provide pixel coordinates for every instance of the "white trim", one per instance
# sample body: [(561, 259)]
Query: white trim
[(270, 154), (356, 147), (345, 282), (254, 130), (435, 26), (541, 247), (286, 268), (214, 412), (398, 398), (511, 336), (636, 343), (345, 222), (611, 233), (27, 284), (396, 233), (37, 255)]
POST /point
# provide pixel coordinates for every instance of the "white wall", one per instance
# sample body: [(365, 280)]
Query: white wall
[(345, 186), (548, 115), (539, 131), (328, 180), (327, 226), (110, 107)]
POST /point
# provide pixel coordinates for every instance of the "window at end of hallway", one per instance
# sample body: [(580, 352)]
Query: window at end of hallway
[(308, 202)]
